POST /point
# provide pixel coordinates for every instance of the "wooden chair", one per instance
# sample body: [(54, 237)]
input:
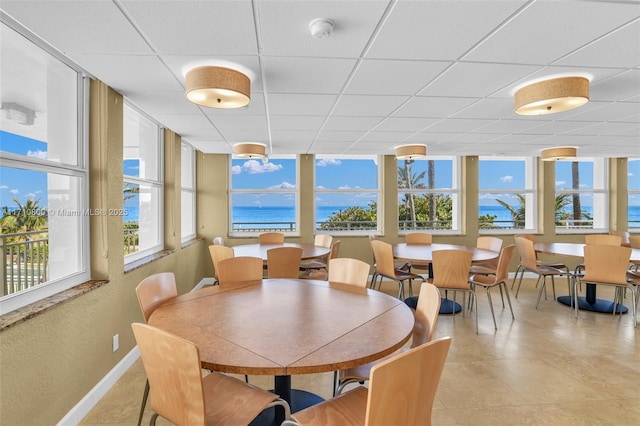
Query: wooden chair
[(607, 265), (520, 270), (401, 392), (385, 267), (271, 238), (349, 271), (239, 269), (320, 240), (152, 292), (529, 262), (451, 273), (283, 262), (181, 395), (499, 279), (219, 253), (634, 242), (426, 315), (418, 238), (319, 274), (487, 267), (603, 239)]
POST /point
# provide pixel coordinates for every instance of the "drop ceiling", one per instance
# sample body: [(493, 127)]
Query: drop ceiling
[(440, 73)]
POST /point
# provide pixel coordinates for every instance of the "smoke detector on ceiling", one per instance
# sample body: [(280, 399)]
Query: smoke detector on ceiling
[(321, 27)]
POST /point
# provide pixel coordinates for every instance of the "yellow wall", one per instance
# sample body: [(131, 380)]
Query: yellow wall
[(49, 362)]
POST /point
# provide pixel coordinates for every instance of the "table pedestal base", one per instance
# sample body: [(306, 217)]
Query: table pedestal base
[(599, 305), (446, 306)]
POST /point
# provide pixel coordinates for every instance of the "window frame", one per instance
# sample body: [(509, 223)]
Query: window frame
[(80, 170), (157, 184), (378, 191), (455, 191), (190, 189), (233, 232), (600, 166), (530, 192), (632, 193)]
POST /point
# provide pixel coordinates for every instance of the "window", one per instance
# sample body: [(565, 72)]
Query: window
[(264, 196), (428, 196), (633, 210), (143, 186), (581, 196), (347, 194), (506, 195), (43, 172), (188, 193)]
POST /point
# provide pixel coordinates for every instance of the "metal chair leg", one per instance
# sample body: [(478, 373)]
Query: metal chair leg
[(145, 395)]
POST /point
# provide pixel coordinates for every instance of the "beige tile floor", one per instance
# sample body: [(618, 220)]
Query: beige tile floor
[(544, 368)]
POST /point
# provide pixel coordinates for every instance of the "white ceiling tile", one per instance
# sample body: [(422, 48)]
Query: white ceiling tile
[(368, 105), (488, 108), (306, 75), (433, 107), (302, 122), (624, 86), (458, 125), (405, 124), (352, 123), (292, 104)]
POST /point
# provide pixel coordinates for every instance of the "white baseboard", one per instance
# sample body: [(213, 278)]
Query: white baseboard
[(89, 401)]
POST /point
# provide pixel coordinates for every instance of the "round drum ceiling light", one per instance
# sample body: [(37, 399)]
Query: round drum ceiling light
[(218, 87), (551, 96), (410, 152), (249, 150), (559, 153)]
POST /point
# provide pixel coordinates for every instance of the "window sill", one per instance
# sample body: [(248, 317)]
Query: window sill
[(191, 242), (132, 266), (24, 313)]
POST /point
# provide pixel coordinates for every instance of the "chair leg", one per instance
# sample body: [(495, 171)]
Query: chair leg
[(506, 290), (543, 288), (553, 286), (522, 270), (515, 276), (145, 395), (335, 382), (493, 315)]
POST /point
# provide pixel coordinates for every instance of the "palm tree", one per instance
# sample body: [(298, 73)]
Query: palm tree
[(27, 217), (408, 180)]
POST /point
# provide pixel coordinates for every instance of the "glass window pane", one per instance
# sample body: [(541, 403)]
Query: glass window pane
[(254, 174), (263, 211), (502, 174), (141, 147), (346, 173), (39, 102), (574, 175), (188, 223), (441, 176), (142, 227), (187, 167), (425, 211), (502, 211)]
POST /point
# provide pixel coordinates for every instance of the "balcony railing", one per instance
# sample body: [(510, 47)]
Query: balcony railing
[(25, 260)]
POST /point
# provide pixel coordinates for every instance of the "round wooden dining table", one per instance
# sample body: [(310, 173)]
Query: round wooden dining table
[(423, 253), (309, 251), (282, 327), (590, 302)]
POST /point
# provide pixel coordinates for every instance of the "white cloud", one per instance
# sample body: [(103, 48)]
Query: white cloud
[(3, 187), (328, 162), (560, 182), (344, 187), (30, 195), (320, 187), (255, 167), (14, 191), (236, 170), (37, 154), (283, 185), (506, 178), (629, 174)]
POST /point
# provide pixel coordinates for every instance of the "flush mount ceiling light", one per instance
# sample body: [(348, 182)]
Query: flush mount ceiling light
[(551, 96), (410, 152), (218, 87), (559, 153), (249, 150), (321, 27)]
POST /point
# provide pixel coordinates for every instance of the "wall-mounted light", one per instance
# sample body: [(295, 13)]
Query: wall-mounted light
[(218, 87), (551, 96), (559, 153), (410, 152)]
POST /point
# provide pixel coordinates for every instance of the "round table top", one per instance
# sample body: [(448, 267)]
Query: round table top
[(287, 326), (574, 250), (423, 252), (309, 251)]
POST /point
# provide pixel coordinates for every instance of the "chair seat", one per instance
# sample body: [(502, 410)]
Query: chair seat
[(482, 270), (230, 401), (362, 372), (347, 409), (549, 270), (404, 275), (313, 264), (552, 264)]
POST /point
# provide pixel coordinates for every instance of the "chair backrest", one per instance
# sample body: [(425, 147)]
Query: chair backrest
[(426, 314), (383, 257), (349, 271), (418, 238), (173, 369), (154, 290), (322, 240), (283, 262), (218, 240), (451, 268), (603, 239), (335, 250), (606, 264), (271, 238), (403, 388), (219, 253), (239, 269), (528, 256), (529, 237), (634, 241), (489, 243), (502, 270)]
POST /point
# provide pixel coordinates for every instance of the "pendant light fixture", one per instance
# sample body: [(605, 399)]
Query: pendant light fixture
[(218, 87), (410, 152), (551, 96), (559, 153), (249, 150)]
